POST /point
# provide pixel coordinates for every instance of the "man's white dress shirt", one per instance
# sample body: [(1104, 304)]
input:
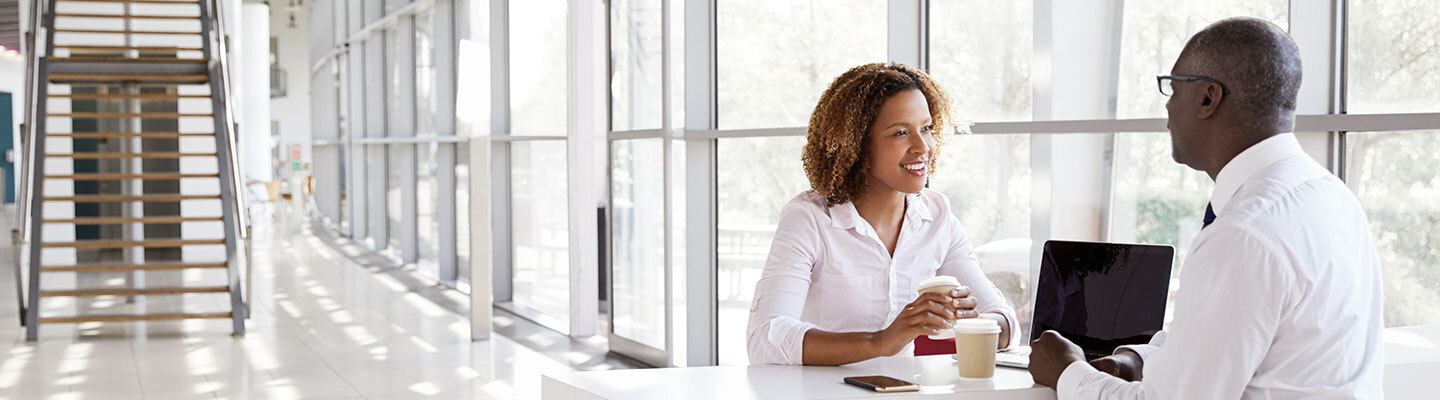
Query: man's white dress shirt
[(1280, 297), (829, 270)]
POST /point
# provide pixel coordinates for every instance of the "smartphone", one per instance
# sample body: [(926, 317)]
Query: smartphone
[(883, 384)]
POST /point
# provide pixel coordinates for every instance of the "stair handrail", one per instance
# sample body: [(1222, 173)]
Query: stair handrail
[(217, 45), (32, 73), (222, 57), (22, 231)]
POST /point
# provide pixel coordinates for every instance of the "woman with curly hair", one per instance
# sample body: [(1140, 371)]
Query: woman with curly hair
[(840, 283)]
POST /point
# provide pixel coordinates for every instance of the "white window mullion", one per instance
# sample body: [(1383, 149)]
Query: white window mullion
[(1317, 27), (588, 123)]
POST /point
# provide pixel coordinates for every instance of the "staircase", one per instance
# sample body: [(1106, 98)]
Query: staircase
[(127, 211)]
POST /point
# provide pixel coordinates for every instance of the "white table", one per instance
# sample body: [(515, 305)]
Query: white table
[(937, 376), (1412, 362)]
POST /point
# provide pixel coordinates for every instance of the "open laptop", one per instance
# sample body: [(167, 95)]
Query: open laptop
[(1098, 295)]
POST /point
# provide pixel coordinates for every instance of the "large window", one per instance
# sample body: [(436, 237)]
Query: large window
[(540, 261), (537, 68), (757, 176), (1157, 200), (1394, 176), (987, 179), (637, 224), (635, 65), (1152, 35), (776, 57), (984, 62), (1393, 68)]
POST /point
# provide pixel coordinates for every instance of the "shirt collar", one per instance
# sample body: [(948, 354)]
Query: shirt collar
[(844, 215), (1247, 163)]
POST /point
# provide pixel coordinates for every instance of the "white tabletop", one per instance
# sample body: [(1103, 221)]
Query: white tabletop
[(937, 375), (1412, 360)]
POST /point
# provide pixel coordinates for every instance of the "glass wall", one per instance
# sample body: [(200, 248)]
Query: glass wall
[(537, 67), (757, 177), (774, 58), (635, 62), (391, 94), (756, 90), (984, 63), (1391, 68), (637, 224), (540, 229)]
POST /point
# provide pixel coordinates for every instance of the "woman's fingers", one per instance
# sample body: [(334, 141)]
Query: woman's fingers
[(938, 298), (966, 303)]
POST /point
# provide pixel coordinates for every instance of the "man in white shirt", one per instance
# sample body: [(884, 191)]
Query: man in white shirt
[(1280, 297)]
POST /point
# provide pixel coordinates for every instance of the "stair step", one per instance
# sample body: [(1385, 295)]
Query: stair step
[(131, 267), (156, 176), (119, 96), (142, 48), (142, 135), (120, 244), (126, 32), (82, 15), (116, 198), (132, 220), (180, 79), (128, 115), (133, 291), (95, 156), (129, 318), (128, 59)]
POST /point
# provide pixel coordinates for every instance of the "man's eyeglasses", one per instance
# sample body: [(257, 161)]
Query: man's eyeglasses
[(1165, 82)]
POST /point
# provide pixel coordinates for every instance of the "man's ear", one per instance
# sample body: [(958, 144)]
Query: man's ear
[(1210, 105)]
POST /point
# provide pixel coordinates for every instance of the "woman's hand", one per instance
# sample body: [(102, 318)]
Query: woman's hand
[(927, 315)]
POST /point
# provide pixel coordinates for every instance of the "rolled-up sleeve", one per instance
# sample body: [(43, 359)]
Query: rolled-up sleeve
[(961, 263), (775, 334)]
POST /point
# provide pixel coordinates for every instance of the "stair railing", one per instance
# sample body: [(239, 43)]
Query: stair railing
[(216, 47), (38, 28)]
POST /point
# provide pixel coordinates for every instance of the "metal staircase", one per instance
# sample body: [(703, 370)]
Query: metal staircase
[(115, 194)]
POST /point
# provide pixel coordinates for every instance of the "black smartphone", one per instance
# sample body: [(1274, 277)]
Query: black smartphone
[(883, 384)]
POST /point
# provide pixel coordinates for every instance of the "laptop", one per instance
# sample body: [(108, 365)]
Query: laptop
[(1098, 295)]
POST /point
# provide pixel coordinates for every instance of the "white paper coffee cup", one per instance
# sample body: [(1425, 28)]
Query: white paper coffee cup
[(940, 284)]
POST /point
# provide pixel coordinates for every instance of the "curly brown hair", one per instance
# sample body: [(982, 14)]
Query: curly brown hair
[(837, 143)]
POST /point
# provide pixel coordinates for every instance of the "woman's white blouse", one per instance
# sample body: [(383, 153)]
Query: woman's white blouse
[(828, 270)]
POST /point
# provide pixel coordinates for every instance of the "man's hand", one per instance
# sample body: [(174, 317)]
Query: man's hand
[(1050, 355), (1125, 365)]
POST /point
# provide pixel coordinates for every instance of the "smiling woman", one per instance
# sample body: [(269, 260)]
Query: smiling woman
[(839, 283)]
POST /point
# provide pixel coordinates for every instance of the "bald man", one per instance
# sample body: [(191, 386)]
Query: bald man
[(1280, 297)]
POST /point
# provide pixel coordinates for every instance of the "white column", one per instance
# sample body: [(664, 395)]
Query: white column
[(252, 86), (700, 207), (1314, 25), (907, 33), (1075, 72), (588, 124)]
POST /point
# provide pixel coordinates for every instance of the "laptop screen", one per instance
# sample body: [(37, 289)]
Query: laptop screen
[(1102, 295)]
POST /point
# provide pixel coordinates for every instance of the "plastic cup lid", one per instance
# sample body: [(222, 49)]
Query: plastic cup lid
[(941, 280), (977, 325)]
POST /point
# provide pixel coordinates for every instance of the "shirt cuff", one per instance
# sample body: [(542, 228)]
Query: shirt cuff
[(1143, 350), (1070, 379), (787, 335)]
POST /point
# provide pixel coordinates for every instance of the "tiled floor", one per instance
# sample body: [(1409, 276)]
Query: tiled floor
[(323, 326)]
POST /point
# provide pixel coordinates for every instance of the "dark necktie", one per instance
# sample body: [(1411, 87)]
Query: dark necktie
[(1209, 215)]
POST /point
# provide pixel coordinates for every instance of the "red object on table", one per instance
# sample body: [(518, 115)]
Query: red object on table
[(924, 346)]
